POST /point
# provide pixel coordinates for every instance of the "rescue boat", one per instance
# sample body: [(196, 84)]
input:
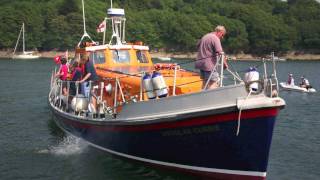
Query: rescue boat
[(285, 86), (159, 114)]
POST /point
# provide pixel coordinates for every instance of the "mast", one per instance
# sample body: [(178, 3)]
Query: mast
[(118, 20), (23, 45), (15, 48), (85, 34)]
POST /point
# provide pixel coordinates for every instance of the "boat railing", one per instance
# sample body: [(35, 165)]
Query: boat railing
[(63, 92), (66, 96), (271, 83), (268, 84), (220, 66)]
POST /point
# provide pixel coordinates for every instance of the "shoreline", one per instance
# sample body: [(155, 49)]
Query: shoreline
[(179, 55), (248, 57)]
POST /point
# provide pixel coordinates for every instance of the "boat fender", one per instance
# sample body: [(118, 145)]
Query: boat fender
[(252, 77), (148, 86), (108, 88), (159, 84), (91, 108)]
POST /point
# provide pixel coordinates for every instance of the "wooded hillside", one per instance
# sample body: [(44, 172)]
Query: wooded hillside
[(254, 26)]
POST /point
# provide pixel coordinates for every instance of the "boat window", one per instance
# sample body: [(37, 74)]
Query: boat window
[(141, 56), (121, 56), (98, 57)]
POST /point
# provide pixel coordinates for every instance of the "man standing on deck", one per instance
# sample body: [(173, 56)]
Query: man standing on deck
[(89, 75), (209, 47)]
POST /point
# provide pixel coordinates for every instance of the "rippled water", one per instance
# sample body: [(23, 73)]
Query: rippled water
[(32, 147)]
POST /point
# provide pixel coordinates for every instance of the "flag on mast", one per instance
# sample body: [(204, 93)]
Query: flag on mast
[(66, 54), (101, 27)]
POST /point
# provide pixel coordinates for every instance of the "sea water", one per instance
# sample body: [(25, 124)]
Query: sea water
[(33, 147)]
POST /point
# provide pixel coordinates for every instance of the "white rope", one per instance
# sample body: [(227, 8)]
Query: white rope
[(240, 109)]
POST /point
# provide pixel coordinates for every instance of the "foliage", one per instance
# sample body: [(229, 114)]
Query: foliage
[(254, 26)]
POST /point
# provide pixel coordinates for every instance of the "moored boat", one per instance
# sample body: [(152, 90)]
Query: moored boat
[(164, 58), (24, 54), (160, 115)]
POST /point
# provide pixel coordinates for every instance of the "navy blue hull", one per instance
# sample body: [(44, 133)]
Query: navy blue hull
[(202, 142)]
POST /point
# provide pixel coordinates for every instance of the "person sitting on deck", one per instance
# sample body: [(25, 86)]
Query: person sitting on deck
[(290, 80), (305, 83)]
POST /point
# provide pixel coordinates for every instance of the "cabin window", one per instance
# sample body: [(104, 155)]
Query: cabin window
[(141, 56), (98, 57), (121, 56)]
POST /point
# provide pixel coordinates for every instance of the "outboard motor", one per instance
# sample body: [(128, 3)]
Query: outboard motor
[(159, 84), (252, 75), (148, 86)]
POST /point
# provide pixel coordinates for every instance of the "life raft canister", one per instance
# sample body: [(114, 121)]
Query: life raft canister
[(159, 84), (252, 75), (148, 86)]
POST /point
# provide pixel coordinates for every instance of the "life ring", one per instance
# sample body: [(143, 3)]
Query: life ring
[(169, 66)]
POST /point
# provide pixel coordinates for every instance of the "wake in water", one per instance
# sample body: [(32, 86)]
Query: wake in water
[(69, 145)]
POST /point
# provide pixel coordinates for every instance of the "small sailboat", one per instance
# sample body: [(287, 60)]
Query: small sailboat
[(24, 54), (164, 58), (275, 58)]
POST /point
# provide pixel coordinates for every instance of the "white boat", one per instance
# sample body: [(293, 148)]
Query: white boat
[(276, 58), (287, 87), (24, 54), (164, 58)]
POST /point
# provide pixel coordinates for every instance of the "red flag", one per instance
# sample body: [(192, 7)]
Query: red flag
[(101, 27), (57, 59)]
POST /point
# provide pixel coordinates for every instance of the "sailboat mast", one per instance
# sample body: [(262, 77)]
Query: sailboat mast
[(84, 19), (15, 48), (23, 45)]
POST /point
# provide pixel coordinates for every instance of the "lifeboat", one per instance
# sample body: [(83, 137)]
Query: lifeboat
[(159, 114)]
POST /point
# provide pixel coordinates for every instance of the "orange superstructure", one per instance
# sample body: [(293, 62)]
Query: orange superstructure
[(127, 72), (127, 64)]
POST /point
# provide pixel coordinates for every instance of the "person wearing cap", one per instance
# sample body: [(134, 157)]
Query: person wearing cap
[(209, 47), (305, 83), (290, 80)]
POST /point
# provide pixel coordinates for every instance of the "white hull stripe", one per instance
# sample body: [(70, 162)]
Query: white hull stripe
[(212, 170)]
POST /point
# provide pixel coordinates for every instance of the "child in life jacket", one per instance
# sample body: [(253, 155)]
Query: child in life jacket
[(62, 74)]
